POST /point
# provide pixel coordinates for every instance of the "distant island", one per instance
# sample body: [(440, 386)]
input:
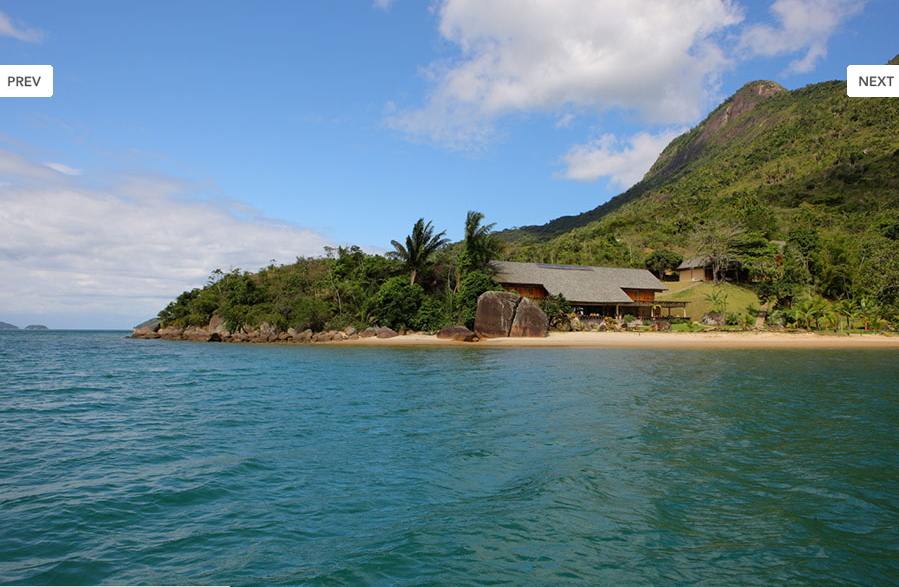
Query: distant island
[(8, 326)]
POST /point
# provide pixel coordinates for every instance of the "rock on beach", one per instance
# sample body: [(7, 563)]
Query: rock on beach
[(459, 333), (506, 314)]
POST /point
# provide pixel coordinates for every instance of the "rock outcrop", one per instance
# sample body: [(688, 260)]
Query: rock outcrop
[(147, 330), (502, 314), (217, 331), (459, 333), (529, 320), (385, 332), (713, 319)]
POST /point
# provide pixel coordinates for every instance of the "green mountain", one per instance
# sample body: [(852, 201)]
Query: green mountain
[(800, 185), (813, 144)]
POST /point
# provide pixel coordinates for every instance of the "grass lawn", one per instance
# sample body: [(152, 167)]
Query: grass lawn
[(738, 298)]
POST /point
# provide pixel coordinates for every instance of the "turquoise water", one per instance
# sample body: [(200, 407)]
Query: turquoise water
[(160, 462)]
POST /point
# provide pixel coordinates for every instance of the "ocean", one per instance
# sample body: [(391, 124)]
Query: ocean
[(151, 462)]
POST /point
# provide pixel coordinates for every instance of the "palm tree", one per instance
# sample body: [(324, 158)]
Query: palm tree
[(848, 309), (811, 309), (480, 245), (420, 245), (869, 311), (833, 318), (718, 298)]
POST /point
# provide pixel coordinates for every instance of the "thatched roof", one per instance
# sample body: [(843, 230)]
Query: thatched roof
[(694, 263), (587, 285)]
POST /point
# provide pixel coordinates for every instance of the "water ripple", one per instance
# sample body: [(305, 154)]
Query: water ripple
[(153, 462)]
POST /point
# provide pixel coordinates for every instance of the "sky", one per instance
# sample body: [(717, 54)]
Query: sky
[(188, 136)]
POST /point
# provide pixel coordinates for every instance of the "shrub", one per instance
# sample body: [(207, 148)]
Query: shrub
[(309, 312), (557, 310), (430, 315), (397, 302)]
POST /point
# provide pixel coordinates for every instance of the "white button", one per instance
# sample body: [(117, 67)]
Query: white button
[(26, 81), (872, 81)]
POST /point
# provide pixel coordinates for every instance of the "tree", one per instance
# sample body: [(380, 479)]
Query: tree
[(718, 298), (810, 309), (480, 245), (356, 277), (848, 309), (720, 245), (557, 309), (397, 303), (869, 311), (473, 285), (663, 260), (420, 245)]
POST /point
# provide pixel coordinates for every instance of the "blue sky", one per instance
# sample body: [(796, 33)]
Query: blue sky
[(187, 136)]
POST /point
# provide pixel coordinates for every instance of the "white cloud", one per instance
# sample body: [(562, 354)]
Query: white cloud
[(64, 169), (654, 57), (623, 161), (803, 26), (69, 248), (383, 4), (22, 33)]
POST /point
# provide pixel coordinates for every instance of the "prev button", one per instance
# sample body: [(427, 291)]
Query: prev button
[(26, 81)]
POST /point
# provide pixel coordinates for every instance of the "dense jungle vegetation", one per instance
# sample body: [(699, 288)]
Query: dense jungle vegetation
[(794, 194), (423, 284)]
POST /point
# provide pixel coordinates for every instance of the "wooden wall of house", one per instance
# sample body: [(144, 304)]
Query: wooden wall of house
[(534, 292), (695, 274), (641, 295)]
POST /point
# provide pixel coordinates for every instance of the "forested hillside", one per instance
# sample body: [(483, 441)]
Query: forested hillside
[(425, 283), (795, 191)]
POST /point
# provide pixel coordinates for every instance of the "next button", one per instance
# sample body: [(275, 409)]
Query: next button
[(869, 81)]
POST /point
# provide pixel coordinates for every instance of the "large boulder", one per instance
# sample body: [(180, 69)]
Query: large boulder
[(713, 319), (171, 332), (217, 325), (495, 313), (385, 332), (198, 333), (459, 333), (529, 320), (369, 332), (146, 332), (502, 314)]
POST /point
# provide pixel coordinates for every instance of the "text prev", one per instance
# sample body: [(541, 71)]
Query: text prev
[(26, 81)]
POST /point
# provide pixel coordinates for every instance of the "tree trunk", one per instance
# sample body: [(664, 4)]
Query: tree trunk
[(763, 314)]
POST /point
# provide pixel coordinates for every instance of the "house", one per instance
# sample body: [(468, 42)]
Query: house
[(696, 269), (700, 268), (591, 291)]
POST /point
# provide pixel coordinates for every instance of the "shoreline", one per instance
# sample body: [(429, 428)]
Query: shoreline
[(662, 340)]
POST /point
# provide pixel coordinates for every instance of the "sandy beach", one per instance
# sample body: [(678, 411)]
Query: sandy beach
[(707, 340)]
